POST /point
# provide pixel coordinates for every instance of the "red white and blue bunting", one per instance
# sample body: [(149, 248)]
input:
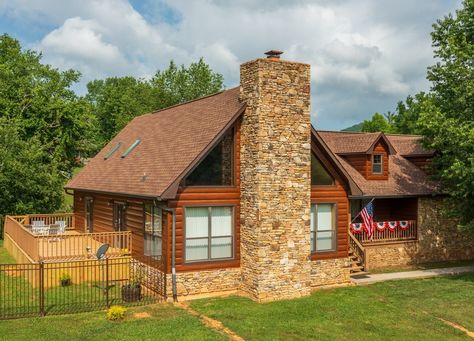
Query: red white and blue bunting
[(381, 226), (403, 224), (357, 227)]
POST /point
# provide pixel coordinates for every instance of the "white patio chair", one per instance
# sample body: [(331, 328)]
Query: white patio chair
[(53, 231), (61, 226)]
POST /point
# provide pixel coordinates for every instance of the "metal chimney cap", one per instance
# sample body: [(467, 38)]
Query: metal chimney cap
[(274, 54)]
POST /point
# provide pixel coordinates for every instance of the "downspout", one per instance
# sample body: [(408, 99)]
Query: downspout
[(173, 254)]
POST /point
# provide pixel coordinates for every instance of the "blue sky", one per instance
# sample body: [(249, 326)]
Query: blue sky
[(365, 55)]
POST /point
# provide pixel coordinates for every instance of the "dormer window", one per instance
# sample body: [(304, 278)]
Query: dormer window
[(377, 164)]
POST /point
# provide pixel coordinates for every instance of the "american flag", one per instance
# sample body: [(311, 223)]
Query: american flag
[(367, 214)]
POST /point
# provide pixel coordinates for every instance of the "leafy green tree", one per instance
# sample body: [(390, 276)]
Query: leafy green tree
[(378, 123), (118, 100), (29, 181), (39, 98), (405, 120), (448, 124)]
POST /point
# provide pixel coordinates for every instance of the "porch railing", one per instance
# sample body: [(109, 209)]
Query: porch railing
[(398, 234), (68, 246), (48, 219)]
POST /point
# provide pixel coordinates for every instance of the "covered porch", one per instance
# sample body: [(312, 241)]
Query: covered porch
[(34, 238), (395, 220), (395, 223)]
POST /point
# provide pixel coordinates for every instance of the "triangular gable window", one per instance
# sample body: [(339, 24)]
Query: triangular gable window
[(216, 168), (319, 175)]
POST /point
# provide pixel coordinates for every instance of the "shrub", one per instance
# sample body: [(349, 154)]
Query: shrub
[(116, 312), (65, 279)]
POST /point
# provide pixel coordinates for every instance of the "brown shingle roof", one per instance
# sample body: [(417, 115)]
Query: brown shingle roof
[(404, 177), (408, 145), (171, 141)]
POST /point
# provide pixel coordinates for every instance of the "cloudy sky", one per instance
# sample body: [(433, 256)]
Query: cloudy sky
[(365, 55)]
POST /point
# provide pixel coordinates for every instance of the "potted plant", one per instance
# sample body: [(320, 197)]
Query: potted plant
[(132, 291), (65, 279)]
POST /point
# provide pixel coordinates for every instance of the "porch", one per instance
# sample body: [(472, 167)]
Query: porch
[(395, 222), (34, 238)]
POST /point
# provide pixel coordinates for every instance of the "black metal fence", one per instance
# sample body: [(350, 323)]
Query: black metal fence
[(68, 287)]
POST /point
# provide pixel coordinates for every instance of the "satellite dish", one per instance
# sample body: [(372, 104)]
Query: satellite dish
[(101, 251)]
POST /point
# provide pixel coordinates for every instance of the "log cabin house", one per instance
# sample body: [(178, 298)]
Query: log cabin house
[(237, 191)]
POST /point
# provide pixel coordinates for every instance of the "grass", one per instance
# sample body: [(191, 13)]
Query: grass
[(397, 310), (165, 322), (5, 257), (426, 266)]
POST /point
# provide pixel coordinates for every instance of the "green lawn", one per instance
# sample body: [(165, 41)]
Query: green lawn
[(164, 323), (5, 257), (397, 310)]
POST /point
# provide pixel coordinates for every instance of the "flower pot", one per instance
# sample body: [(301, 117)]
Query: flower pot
[(131, 293), (65, 282)]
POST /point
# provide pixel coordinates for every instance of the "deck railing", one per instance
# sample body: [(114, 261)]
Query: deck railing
[(48, 219), (398, 234), (68, 246), (21, 236)]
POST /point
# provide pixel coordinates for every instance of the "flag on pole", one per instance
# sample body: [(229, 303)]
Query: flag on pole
[(367, 215)]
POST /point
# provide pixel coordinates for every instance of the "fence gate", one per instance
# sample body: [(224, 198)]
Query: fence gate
[(77, 286)]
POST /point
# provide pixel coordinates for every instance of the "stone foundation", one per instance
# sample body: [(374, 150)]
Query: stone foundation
[(330, 272), (204, 282), (438, 240)]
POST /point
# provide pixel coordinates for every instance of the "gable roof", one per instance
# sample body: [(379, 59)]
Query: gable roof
[(361, 143), (172, 141), (404, 179)]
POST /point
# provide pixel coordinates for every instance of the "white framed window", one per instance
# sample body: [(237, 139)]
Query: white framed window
[(323, 227), (209, 233), (153, 231), (377, 164)]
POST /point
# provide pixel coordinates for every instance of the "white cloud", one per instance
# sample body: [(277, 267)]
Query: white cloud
[(365, 55)]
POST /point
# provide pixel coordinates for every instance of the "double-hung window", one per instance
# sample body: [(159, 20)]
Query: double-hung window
[(377, 164), (209, 233), (323, 227), (153, 231)]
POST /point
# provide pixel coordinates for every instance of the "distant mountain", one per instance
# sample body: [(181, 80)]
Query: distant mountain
[(355, 127)]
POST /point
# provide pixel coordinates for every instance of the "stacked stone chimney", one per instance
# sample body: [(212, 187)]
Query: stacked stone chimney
[(275, 178)]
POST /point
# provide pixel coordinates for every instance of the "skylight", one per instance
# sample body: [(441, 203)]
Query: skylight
[(112, 151), (132, 147)]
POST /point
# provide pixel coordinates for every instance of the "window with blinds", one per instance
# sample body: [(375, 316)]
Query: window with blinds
[(209, 233), (153, 231), (323, 227)]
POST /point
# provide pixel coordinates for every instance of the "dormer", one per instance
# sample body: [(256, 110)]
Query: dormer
[(372, 161)]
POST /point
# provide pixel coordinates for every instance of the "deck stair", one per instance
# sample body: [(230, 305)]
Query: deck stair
[(357, 265)]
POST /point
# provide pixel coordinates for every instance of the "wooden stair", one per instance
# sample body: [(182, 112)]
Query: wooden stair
[(357, 266)]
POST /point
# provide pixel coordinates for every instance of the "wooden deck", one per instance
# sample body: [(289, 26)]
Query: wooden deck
[(72, 245)]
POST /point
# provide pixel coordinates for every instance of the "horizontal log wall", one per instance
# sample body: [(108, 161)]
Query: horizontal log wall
[(336, 194), (102, 216), (208, 196)]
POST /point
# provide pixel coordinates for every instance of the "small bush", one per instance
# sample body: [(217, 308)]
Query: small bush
[(65, 279), (116, 312)]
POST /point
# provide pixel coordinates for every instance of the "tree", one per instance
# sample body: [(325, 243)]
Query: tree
[(377, 123), (117, 100), (29, 181), (405, 121), (40, 100), (448, 122)]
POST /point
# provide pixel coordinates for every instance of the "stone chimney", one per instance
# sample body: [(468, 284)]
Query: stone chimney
[(275, 178)]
